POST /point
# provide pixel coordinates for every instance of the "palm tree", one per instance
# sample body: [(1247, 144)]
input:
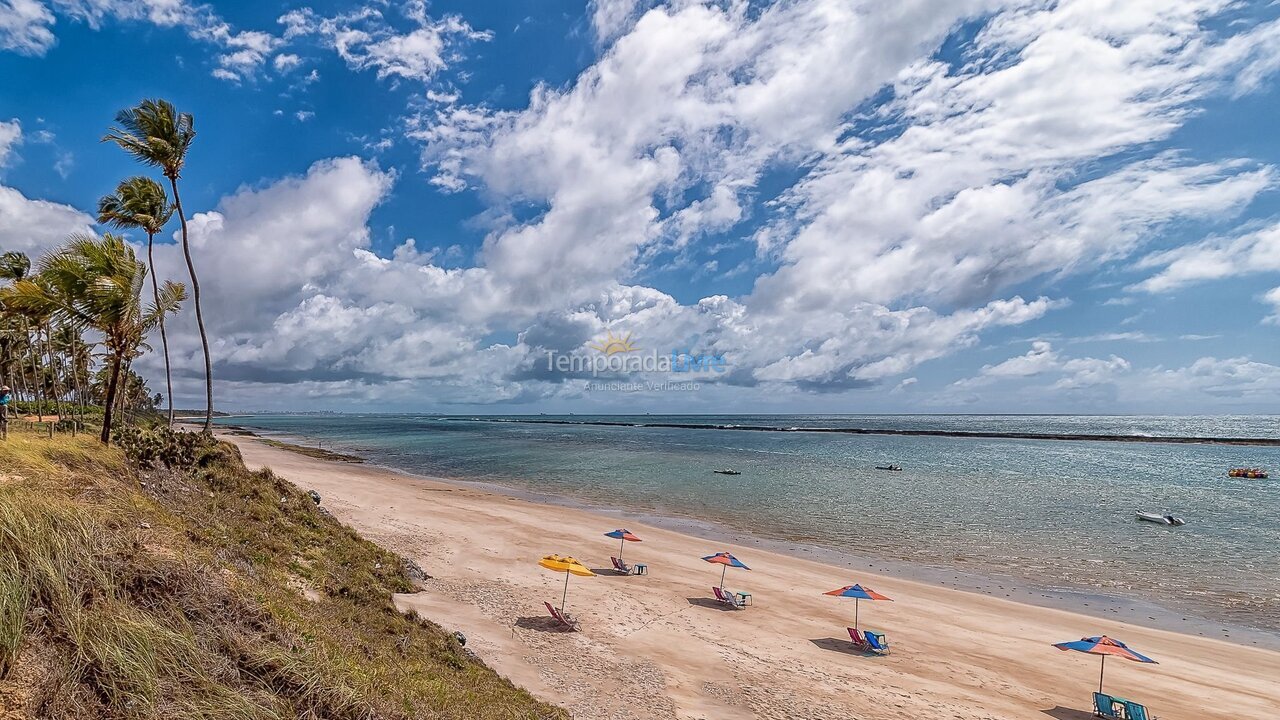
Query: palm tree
[(140, 202), (15, 267), (156, 134), (97, 284)]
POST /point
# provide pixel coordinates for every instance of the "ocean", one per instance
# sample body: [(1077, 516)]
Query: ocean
[(1044, 521)]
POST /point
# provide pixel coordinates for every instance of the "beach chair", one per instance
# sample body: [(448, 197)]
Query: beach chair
[(1104, 705), (1134, 711), (876, 641), (727, 597), (856, 637), (562, 618), (619, 566)]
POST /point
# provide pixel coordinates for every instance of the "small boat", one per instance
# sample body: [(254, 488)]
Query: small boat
[(1251, 473), (1165, 519), (893, 468), (726, 472)]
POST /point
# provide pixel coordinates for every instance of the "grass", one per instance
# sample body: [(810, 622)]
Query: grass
[(207, 594)]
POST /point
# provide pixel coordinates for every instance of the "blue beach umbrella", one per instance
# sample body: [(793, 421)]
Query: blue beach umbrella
[(1104, 646), (727, 560)]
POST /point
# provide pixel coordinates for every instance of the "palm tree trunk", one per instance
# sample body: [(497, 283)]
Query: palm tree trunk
[(75, 381), (164, 340), (22, 370), (35, 369), (109, 401), (53, 370), (195, 293)]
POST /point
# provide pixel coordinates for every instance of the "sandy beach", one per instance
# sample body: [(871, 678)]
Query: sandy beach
[(659, 646)]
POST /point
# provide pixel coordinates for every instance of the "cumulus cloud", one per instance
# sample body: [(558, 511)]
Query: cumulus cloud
[(35, 226), (894, 203)]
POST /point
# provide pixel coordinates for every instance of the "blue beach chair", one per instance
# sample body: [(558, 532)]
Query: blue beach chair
[(1134, 711), (876, 640), (1104, 705)]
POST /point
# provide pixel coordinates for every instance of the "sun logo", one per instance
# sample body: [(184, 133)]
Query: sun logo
[(612, 344)]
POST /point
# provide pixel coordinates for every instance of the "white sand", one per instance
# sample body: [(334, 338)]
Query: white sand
[(659, 647)]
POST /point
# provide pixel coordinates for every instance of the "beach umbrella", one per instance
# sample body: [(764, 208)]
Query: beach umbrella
[(1104, 646), (623, 537), (727, 560), (568, 566), (857, 592)]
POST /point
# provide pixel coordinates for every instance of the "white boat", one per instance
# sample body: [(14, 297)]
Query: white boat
[(1165, 519)]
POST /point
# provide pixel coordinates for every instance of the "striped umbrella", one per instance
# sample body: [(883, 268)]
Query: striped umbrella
[(728, 560), (1104, 646), (857, 592)]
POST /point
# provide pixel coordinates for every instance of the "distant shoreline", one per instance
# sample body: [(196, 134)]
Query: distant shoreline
[(1075, 437)]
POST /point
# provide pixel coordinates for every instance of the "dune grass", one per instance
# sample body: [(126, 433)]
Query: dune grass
[(210, 593)]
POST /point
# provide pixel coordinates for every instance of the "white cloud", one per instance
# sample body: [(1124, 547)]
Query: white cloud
[(1272, 297), (1254, 251), (365, 40), (284, 62), (611, 18), (26, 27), (35, 226), (165, 13), (10, 138)]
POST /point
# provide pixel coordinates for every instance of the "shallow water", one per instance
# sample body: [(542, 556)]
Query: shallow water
[(1052, 514)]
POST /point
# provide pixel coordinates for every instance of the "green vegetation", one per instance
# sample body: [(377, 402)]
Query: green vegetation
[(208, 592), (96, 284), (319, 453)]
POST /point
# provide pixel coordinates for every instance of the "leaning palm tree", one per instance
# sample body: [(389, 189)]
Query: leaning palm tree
[(156, 134), (140, 202), (97, 284)]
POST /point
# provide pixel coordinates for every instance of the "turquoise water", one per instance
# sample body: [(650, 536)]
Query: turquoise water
[(1052, 514)]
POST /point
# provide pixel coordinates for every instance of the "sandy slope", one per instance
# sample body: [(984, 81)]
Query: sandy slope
[(658, 647)]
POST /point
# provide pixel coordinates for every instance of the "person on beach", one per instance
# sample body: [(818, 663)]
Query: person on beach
[(6, 396)]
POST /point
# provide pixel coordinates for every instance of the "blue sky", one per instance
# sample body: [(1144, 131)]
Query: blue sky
[(960, 207)]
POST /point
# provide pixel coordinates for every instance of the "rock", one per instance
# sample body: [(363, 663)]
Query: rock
[(462, 639), (315, 496), (413, 570)]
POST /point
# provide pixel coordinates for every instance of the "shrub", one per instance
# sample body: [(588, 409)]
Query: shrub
[(162, 445)]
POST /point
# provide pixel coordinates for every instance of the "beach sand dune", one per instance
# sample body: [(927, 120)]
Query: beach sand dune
[(658, 646)]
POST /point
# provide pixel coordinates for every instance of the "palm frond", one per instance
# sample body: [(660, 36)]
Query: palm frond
[(155, 134)]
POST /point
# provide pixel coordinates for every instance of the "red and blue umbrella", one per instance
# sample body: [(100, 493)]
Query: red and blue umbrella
[(728, 560), (857, 592), (624, 536), (1104, 646)]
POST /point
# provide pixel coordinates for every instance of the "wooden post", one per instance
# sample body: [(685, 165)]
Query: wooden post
[(50, 431)]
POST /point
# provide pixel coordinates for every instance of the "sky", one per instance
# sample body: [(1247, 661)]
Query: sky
[(849, 206)]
